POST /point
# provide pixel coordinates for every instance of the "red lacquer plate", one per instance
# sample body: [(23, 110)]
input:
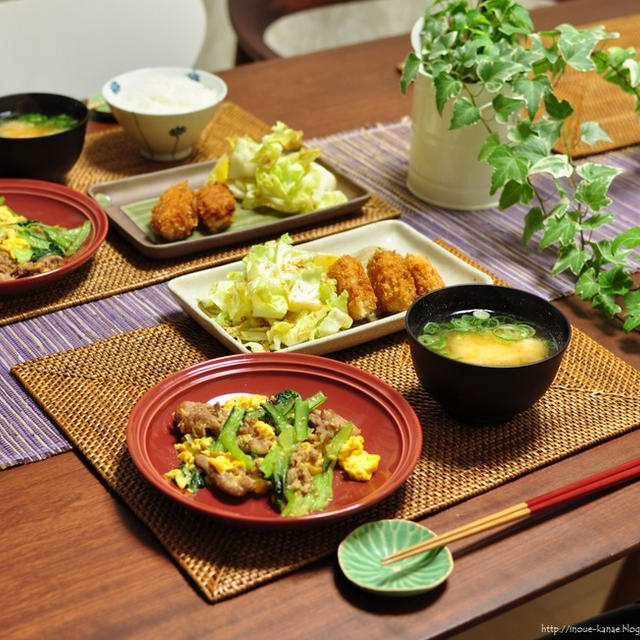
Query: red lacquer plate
[(388, 423), (53, 203)]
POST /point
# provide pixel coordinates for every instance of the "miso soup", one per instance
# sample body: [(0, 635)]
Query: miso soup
[(485, 338), (34, 125)]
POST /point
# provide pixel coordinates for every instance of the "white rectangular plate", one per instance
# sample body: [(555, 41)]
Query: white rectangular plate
[(389, 234)]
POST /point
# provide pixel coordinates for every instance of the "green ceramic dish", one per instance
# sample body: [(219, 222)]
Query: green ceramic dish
[(360, 553)]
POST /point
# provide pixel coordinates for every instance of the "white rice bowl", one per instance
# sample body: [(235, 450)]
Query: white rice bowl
[(165, 109)]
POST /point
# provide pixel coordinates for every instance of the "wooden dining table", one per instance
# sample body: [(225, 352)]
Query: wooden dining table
[(77, 563)]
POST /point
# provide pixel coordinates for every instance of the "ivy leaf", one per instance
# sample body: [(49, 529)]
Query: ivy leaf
[(587, 285), (632, 321), (447, 87), (558, 166), (576, 46), (629, 238), (464, 114), (560, 229), (548, 130), (606, 302), (602, 251), (615, 281), (605, 252), (596, 171), (520, 131), (507, 166), (515, 192), (597, 221), (532, 91), (596, 180), (409, 71), (506, 107), (593, 194), (490, 144), (570, 257), (533, 149), (557, 109), (632, 306), (467, 54), (533, 222), (443, 44), (632, 67), (613, 57), (521, 17), (494, 72), (509, 29), (560, 209), (592, 133)]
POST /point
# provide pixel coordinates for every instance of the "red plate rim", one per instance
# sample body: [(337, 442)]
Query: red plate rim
[(76, 200), (357, 382)]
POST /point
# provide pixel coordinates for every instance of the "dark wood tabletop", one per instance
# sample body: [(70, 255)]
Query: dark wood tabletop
[(77, 563)]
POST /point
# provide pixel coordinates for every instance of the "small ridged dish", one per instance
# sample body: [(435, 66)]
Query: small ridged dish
[(361, 552)]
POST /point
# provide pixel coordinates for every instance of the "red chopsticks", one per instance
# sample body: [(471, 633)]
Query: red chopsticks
[(589, 485)]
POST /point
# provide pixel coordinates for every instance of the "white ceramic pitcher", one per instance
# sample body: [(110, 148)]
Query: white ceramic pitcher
[(444, 169)]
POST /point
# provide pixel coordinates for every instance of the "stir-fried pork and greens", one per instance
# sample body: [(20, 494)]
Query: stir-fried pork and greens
[(286, 447)]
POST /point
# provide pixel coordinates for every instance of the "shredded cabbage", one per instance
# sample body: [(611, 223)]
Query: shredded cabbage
[(281, 298), (277, 172)]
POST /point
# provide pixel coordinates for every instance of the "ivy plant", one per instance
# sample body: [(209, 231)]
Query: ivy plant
[(491, 44)]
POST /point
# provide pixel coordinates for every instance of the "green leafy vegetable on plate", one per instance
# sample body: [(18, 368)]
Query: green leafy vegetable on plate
[(29, 240)]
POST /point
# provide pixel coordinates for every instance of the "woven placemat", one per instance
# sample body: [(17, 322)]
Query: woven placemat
[(90, 392), (595, 99), (117, 266)]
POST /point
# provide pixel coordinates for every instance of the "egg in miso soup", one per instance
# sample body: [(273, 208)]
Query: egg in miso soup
[(485, 338)]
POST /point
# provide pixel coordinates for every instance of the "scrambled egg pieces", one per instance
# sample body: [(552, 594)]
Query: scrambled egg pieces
[(252, 401), (7, 216), (11, 241), (358, 463)]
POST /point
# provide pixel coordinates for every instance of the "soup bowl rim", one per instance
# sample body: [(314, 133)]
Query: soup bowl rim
[(81, 121), (556, 350)]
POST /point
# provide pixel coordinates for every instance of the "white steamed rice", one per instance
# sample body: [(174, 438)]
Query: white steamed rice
[(165, 94)]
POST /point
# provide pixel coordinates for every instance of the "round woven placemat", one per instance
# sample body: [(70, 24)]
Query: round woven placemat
[(117, 266), (90, 392)]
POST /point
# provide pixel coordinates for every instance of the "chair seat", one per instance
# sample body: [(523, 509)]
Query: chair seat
[(268, 29), (331, 26)]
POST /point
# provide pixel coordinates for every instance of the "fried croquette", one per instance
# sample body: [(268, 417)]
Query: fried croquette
[(174, 216), (351, 277), (425, 275), (391, 281), (216, 206)]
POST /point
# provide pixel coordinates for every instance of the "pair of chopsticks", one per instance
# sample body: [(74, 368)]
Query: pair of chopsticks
[(592, 484)]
